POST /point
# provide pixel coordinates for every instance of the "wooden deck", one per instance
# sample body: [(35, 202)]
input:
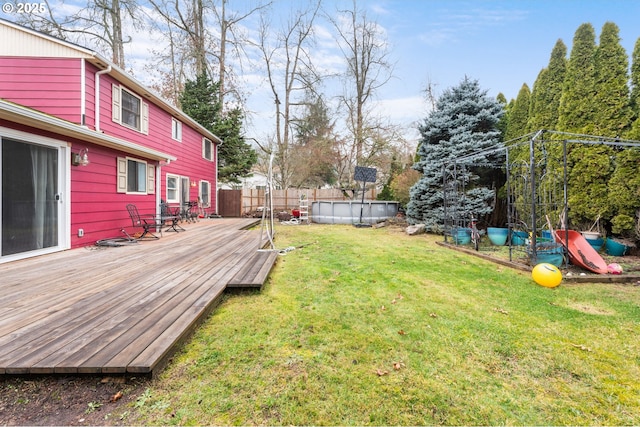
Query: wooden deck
[(120, 310)]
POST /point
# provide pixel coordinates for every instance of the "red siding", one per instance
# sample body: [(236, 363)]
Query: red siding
[(90, 103), (96, 207), (190, 162), (53, 86), (50, 85)]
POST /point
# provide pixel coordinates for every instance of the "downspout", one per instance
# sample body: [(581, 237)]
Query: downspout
[(97, 96), (83, 95), (217, 212)]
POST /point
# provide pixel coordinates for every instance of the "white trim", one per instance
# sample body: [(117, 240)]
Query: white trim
[(177, 188), (64, 165), (204, 141), (208, 183), (124, 90), (177, 126), (146, 176)]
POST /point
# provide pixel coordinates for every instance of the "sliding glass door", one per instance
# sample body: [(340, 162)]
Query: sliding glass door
[(31, 197)]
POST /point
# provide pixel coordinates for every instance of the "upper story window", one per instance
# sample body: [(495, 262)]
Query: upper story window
[(207, 149), (129, 110), (176, 129)]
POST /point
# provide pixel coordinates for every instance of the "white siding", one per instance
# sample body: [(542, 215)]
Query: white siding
[(22, 42)]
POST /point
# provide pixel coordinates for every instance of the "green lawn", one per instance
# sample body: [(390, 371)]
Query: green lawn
[(361, 326)]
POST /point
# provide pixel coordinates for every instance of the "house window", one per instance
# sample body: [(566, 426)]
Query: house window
[(135, 176), (207, 149), (129, 110), (173, 189), (205, 193), (176, 129)]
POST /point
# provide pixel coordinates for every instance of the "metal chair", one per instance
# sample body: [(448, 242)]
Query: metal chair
[(168, 216), (147, 222)]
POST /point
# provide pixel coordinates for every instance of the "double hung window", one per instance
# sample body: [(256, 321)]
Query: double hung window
[(129, 110), (135, 176)]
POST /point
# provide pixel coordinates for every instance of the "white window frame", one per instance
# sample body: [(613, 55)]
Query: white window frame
[(123, 176), (205, 203), (176, 198), (205, 142), (176, 129), (117, 106)]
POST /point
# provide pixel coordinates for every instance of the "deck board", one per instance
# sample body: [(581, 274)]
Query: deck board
[(119, 309), (254, 273)]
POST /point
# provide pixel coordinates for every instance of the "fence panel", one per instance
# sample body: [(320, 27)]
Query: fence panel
[(285, 200)]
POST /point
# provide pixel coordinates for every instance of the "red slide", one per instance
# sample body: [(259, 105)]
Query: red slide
[(581, 253)]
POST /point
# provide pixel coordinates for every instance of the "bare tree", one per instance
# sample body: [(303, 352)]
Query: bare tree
[(368, 68), (290, 73), (198, 33), (186, 29), (100, 23), (237, 41)]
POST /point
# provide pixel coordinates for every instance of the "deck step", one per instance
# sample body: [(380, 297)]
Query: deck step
[(255, 271)]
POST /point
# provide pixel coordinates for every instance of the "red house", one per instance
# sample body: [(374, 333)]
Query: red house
[(79, 140)]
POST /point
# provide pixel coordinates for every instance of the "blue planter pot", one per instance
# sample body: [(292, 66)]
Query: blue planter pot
[(549, 252), (550, 258), (498, 236), (461, 236), (518, 238), (596, 243), (614, 248)]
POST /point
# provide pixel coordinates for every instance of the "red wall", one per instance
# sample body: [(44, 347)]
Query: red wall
[(54, 86), (50, 85), (96, 206)]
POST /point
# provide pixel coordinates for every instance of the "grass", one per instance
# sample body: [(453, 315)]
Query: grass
[(373, 327)]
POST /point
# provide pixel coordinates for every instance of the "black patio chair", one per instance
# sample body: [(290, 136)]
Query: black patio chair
[(170, 216), (147, 222), (189, 211)]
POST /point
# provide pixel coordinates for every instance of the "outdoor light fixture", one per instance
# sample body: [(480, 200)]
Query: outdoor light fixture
[(81, 158)]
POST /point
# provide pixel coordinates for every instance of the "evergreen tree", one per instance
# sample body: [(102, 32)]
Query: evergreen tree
[(503, 124), (589, 165), (613, 114), (464, 121), (519, 114), (624, 191), (313, 154), (577, 109), (547, 91), (201, 101), (237, 157), (634, 133)]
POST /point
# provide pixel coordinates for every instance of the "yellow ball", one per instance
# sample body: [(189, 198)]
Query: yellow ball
[(547, 275)]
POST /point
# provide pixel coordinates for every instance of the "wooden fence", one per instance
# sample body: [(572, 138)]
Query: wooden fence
[(285, 200)]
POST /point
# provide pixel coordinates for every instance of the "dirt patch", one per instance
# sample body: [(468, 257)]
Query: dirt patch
[(591, 309), (68, 400)]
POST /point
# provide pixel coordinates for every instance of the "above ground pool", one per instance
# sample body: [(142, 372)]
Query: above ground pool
[(348, 212)]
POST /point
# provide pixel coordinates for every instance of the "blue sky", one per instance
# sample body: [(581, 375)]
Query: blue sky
[(502, 44)]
